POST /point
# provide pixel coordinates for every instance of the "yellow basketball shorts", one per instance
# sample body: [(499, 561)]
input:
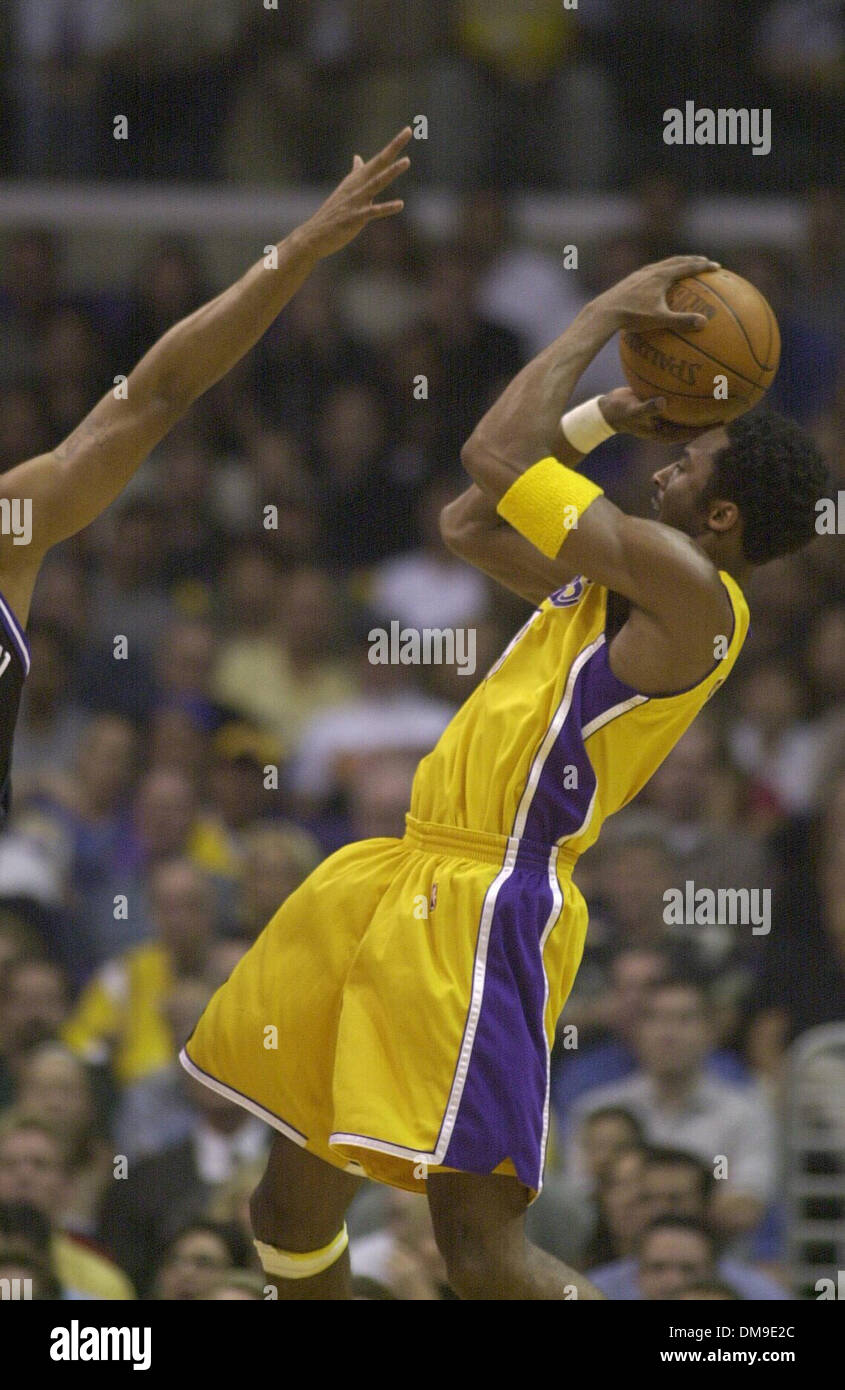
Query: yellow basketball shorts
[(396, 1015)]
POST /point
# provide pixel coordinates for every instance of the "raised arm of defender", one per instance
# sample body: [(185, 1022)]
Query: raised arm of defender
[(71, 486)]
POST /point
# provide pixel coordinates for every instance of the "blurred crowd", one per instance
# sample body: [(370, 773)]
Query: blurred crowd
[(542, 93), (202, 724)]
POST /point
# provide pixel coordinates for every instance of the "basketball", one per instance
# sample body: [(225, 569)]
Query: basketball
[(708, 375)]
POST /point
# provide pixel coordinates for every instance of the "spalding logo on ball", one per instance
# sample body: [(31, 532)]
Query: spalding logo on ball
[(712, 374)]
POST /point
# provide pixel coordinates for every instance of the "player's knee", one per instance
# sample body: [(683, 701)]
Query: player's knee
[(279, 1219)]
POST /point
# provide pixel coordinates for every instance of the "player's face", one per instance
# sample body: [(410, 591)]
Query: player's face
[(682, 484)]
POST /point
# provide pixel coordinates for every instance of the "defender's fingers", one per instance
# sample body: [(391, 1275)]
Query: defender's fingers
[(357, 162), (384, 209), (386, 176), (391, 150)]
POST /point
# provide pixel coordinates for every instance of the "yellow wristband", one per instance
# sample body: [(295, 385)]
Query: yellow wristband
[(545, 502)]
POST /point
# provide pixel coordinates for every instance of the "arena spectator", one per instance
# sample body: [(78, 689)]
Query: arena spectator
[(197, 1258), (35, 1005), (119, 1018), (677, 1185), (56, 1086), (34, 1169), (677, 1102), (276, 859), (672, 1253), (175, 1185)]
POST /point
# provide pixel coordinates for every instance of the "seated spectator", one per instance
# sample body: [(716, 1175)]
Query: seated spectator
[(49, 724), (34, 1005), (428, 586), (711, 1291), (618, 1202), (34, 1169), (613, 1054), (238, 1287), (283, 676), (675, 1184), (671, 1254), (678, 1103), (26, 1237), (276, 859), (20, 1268), (569, 1216), (197, 1258), (174, 1187), (56, 1086), (391, 713), (119, 1018), (809, 908)]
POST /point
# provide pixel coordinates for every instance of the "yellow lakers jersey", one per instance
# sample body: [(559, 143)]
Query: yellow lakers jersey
[(551, 743)]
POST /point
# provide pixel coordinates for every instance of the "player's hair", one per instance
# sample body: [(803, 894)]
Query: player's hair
[(773, 471), (660, 1156), (618, 1112)]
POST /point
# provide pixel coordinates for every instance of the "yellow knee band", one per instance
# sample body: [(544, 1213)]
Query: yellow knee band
[(286, 1264), (545, 502)]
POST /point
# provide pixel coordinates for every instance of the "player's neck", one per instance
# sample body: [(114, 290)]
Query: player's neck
[(726, 556)]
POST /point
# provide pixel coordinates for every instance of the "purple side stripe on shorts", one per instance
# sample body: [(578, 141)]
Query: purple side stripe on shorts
[(502, 1109)]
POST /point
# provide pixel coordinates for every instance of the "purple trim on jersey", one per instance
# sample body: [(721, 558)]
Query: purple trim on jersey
[(16, 632), (502, 1106), (558, 810)]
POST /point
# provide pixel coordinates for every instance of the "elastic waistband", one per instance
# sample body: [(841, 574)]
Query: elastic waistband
[(483, 846)]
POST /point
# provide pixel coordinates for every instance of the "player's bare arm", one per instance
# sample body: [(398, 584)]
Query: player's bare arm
[(70, 486), (680, 606)]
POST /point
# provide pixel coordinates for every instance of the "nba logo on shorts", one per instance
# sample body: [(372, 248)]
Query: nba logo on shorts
[(569, 594), (432, 902)]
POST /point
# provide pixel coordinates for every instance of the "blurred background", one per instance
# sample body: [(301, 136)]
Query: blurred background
[(166, 804)]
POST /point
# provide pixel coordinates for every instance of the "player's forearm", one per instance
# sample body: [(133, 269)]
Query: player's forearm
[(203, 347), (523, 425)]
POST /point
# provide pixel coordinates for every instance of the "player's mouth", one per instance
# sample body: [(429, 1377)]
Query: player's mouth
[(657, 503)]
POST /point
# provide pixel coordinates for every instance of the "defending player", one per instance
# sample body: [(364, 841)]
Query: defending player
[(417, 1051), (65, 490)]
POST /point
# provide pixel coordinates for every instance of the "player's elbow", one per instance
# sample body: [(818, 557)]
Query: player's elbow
[(452, 532), (473, 456)]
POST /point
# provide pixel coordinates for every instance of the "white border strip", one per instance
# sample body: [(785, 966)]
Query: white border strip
[(479, 974), (244, 1101), (613, 713), (554, 914)]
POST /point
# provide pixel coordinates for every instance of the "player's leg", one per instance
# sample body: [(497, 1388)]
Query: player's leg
[(298, 1208), (479, 1224)]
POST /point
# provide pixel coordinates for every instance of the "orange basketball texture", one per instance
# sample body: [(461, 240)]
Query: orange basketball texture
[(741, 341)]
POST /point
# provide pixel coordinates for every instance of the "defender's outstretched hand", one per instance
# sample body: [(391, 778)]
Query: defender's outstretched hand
[(351, 207)]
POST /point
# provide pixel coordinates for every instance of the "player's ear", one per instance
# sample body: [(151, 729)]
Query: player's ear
[(722, 515)]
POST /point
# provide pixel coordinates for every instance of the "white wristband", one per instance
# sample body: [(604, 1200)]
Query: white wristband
[(585, 427)]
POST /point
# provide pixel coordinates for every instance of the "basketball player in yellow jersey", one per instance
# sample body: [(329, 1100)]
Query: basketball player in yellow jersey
[(413, 1047)]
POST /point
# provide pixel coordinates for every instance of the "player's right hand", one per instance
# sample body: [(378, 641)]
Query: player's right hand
[(639, 301), (351, 206), (629, 415)]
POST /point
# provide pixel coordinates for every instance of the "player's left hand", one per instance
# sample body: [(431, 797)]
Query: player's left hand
[(351, 206), (629, 415)]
